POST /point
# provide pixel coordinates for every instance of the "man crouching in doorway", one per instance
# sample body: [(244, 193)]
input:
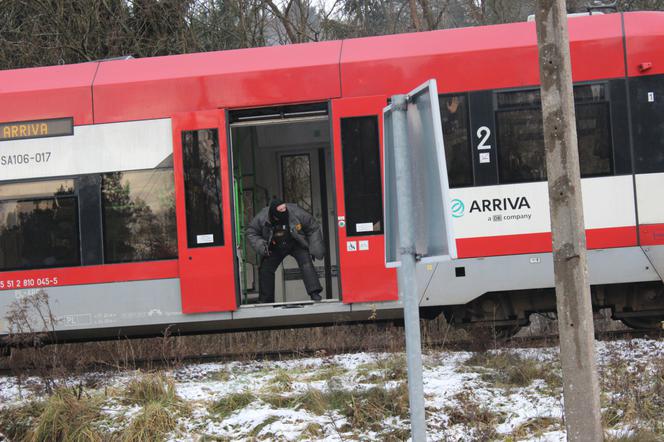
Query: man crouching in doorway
[(286, 229)]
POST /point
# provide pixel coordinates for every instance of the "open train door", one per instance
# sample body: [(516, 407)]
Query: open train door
[(203, 208), (357, 134)]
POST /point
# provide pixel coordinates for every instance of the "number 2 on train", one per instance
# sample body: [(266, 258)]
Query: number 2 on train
[(483, 133)]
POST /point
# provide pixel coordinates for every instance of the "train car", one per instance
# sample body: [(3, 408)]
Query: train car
[(125, 185)]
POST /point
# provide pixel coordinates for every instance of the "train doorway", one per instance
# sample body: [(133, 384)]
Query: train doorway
[(284, 152)]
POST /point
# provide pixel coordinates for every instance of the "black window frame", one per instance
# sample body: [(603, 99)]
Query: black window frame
[(73, 196), (192, 237), (469, 140), (350, 219), (106, 259), (606, 101), (647, 126)]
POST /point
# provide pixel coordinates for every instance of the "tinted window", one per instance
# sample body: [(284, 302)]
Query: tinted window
[(454, 116), (139, 215), (520, 146), (38, 232), (202, 187), (521, 135), (362, 182), (593, 133), (647, 97), (296, 176)]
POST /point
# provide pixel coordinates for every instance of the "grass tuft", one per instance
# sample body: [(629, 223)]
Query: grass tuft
[(633, 394), (229, 404), (258, 428), (364, 409), (282, 380), (509, 369), (326, 373), (16, 422), (471, 414), (312, 431), (153, 423), (535, 427), (636, 436), (391, 368), (66, 417), (150, 388)]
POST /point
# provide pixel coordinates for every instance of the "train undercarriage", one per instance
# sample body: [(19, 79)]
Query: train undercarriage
[(637, 305)]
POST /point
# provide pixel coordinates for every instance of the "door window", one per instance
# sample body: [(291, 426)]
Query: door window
[(296, 177), (202, 187), (362, 181)]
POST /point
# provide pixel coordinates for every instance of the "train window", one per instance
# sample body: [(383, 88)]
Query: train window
[(520, 146), (38, 232), (296, 177), (36, 188), (455, 122), (521, 135), (594, 134), (202, 187), (362, 182), (647, 102), (139, 215)]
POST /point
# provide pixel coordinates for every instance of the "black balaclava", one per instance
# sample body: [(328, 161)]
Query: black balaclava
[(277, 217)]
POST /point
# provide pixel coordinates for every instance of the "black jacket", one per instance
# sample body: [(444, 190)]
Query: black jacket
[(303, 227)]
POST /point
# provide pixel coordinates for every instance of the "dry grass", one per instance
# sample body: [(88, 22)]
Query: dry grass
[(152, 388), (535, 427), (633, 394), (258, 428), (364, 409), (508, 369), (391, 368), (470, 413), (153, 423), (67, 417), (327, 373), (16, 422), (231, 403), (638, 435), (171, 348), (161, 407), (282, 380)]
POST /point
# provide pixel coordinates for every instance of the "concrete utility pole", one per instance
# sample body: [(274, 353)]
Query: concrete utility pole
[(575, 316)]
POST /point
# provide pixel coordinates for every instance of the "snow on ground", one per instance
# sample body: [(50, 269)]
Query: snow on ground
[(465, 398)]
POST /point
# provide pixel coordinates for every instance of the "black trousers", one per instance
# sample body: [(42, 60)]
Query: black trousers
[(269, 267)]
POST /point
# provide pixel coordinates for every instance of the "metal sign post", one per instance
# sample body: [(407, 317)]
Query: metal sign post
[(418, 222), (407, 279)]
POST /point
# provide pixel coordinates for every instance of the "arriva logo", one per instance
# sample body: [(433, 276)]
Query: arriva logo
[(457, 208)]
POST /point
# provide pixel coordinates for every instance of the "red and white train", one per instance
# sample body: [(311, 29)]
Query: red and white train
[(125, 184)]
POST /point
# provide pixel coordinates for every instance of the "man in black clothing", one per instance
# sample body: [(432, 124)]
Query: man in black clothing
[(286, 229)]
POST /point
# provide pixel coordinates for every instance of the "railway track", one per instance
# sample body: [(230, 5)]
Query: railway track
[(457, 345)]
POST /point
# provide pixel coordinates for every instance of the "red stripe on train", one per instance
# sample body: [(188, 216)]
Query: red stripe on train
[(541, 242), (44, 278), (651, 234)]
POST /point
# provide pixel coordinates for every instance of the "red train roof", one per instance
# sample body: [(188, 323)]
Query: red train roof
[(460, 59), (644, 35), (48, 92), (158, 87), (466, 59)]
